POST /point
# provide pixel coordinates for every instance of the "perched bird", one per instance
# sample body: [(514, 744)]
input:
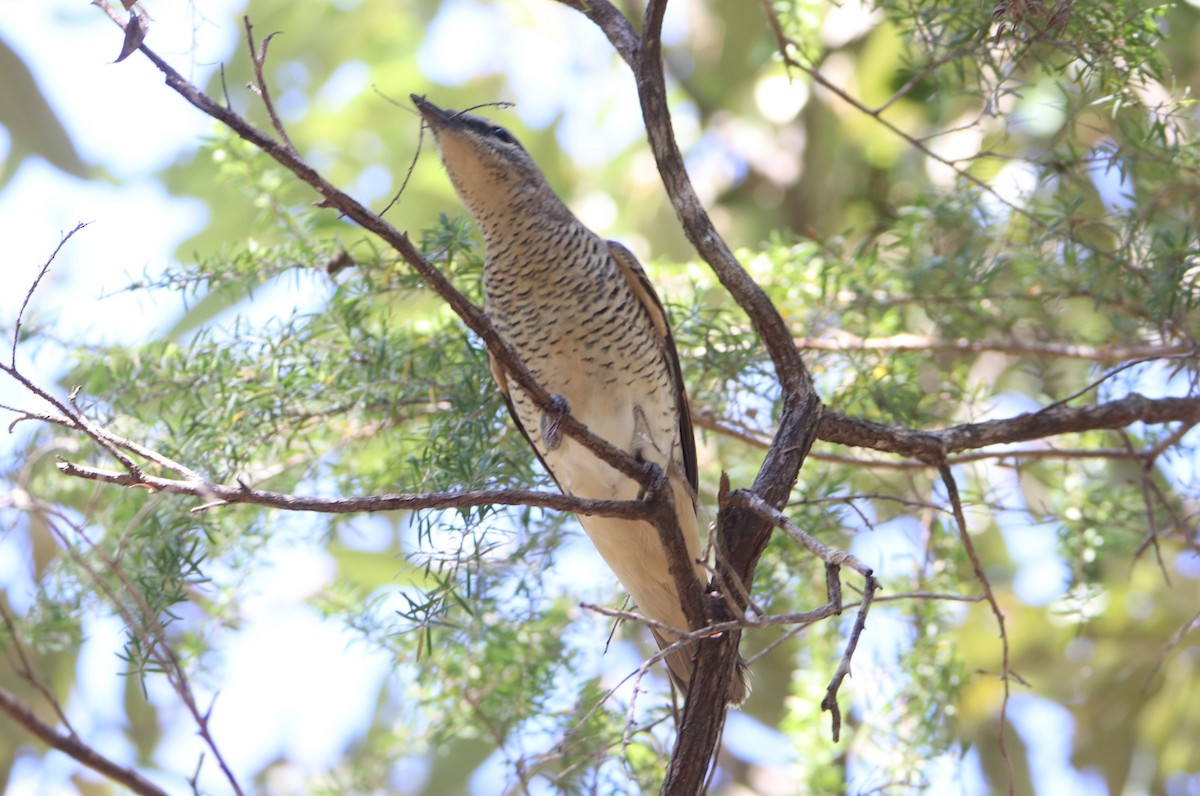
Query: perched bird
[(584, 319)]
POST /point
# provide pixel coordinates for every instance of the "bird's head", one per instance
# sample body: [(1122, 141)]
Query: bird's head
[(491, 171)]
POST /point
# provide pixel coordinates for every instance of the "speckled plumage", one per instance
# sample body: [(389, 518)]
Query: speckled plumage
[(584, 319)]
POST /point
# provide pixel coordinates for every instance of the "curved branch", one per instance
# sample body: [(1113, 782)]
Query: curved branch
[(699, 228), (743, 534), (614, 25)]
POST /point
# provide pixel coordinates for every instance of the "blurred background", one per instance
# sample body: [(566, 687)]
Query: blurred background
[(447, 653)]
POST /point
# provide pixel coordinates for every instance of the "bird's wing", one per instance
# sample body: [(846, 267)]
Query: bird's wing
[(502, 382), (631, 269)]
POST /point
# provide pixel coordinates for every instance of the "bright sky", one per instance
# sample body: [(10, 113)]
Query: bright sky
[(125, 122)]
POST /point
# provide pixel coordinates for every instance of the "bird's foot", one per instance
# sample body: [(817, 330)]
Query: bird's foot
[(551, 433)]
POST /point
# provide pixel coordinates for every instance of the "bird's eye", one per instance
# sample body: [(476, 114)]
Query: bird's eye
[(504, 135)]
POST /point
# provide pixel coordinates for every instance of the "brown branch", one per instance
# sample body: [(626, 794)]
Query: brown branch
[(25, 667), (834, 560), (696, 223), (932, 446), (830, 702), (33, 287), (74, 748), (1006, 675), (258, 59), (926, 446), (743, 535), (926, 595), (223, 494), (845, 341)]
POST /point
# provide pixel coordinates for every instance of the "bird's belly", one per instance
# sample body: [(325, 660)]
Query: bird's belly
[(611, 415), (602, 355)]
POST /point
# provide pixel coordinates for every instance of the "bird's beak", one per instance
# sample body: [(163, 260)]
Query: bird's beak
[(434, 116)]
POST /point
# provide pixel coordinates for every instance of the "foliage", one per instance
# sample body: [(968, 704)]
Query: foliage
[(1003, 203)]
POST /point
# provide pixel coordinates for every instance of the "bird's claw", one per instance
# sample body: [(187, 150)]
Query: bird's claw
[(552, 420)]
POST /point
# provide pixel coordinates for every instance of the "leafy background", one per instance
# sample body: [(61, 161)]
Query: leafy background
[(447, 652)]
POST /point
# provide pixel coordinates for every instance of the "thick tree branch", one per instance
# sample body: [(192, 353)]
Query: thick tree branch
[(743, 535), (74, 748), (696, 223), (933, 446), (900, 440)]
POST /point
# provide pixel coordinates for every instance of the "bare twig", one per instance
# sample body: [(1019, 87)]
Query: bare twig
[(74, 748), (223, 494), (119, 442), (1097, 382), (25, 668), (830, 702), (834, 560), (1006, 675), (258, 58), (76, 420), (1172, 643), (33, 287), (753, 502)]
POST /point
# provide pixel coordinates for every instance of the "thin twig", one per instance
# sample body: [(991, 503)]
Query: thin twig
[(258, 58), (830, 702), (120, 442), (1173, 642), (222, 494), (1005, 673), (25, 669), (818, 548), (408, 173), (74, 748), (1097, 382), (33, 287)]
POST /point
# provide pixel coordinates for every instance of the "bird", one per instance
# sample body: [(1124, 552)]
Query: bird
[(583, 317)]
